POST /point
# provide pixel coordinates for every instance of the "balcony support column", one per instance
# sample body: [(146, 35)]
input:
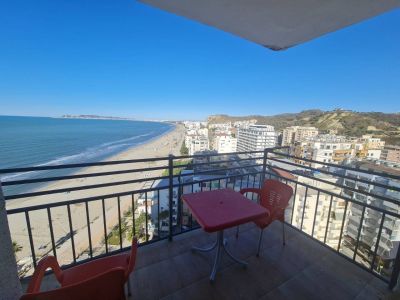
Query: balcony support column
[(10, 286)]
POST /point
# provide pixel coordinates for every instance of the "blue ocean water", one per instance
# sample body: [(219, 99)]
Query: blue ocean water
[(34, 141)]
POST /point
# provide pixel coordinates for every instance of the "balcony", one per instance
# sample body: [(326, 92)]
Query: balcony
[(323, 264), (302, 269)]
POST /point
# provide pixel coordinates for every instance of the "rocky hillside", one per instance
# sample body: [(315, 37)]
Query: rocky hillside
[(350, 123)]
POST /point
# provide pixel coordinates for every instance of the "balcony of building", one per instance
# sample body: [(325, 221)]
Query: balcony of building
[(326, 255), (302, 269)]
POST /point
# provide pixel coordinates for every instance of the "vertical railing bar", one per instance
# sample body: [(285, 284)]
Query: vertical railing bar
[(158, 213), (264, 166), (88, 228), (133, 214), (327, 221), (146, 217), (315, 214), (170, 193), (219, 183), (341, 229), (53, 244), (254, 182), (378, 239), (104, 225), (294, 202), (71, 232), (359, 233), (241, 182), (396, 271), (304, 208), (119, 222), (179, 204), (28, 224)]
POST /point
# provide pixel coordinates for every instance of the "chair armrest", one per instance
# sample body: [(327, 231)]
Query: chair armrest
[(42, 266), (250, 190)]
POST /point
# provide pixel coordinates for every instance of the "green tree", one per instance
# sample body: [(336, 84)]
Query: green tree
[(164, 214), (184, 149), (16, 247)]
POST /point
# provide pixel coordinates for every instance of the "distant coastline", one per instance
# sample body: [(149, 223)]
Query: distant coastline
[(96, 117)]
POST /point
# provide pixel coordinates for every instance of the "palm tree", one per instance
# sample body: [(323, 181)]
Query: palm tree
[(16, 247)]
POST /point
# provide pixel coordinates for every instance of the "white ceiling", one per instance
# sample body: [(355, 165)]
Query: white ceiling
[(277, 24)]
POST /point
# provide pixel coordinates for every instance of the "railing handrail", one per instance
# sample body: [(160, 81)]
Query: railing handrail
[(392, 176)]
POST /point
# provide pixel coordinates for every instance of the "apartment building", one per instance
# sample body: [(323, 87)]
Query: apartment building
[(293, 134), (256, 138), (390, 236), (324, 148), (224, 143), (391, 153), (198, 143), (312, 202), (335, 149)]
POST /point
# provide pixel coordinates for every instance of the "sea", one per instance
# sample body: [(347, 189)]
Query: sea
[(39, 141)]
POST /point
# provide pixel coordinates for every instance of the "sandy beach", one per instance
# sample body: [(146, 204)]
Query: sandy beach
[(169, 143)]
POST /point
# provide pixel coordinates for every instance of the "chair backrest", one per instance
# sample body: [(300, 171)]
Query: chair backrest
[(275, 197), (106, 286)]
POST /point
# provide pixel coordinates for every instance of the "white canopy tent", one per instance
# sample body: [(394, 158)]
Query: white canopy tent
[(277, 24)]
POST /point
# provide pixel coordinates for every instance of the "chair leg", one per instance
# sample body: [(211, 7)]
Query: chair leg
[(237, 232), (259, 242), (283, 234)]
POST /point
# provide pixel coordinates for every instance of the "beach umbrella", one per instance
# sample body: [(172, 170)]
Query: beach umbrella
[(277, 24)]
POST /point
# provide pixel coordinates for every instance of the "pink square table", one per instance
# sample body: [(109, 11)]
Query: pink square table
[(218, 210)]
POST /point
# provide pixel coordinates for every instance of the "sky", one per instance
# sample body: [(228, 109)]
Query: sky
[(123, 58)]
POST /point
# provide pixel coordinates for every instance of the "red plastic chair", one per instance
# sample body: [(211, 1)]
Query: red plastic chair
[(274, 196), (105, 286), (84, 271)]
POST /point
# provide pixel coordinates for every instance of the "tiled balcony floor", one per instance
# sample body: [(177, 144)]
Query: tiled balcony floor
[(303, 269)]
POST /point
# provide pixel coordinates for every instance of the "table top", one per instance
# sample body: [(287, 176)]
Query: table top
[(220, 209)]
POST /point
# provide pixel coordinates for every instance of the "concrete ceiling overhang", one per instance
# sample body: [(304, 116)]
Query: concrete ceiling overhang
[(277, 24)]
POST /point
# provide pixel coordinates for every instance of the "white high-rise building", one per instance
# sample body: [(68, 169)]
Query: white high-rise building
[(256, 138), (313, 202), (390, 235)]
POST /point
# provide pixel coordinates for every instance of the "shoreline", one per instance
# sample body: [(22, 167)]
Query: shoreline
[(112, 157), (160, 146)]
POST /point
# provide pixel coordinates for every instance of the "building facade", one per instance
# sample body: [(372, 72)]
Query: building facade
[(391, 153), (256, 138), (311, 202), (225, 143), (293, 134), (390, 236)]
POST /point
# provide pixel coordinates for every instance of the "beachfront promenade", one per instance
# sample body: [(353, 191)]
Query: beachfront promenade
[(169, 143)]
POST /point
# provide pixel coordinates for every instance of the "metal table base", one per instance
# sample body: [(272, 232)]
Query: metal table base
[(220, 244)]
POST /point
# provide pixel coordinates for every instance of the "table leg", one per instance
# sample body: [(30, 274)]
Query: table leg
[(220, 244), (212, 247)]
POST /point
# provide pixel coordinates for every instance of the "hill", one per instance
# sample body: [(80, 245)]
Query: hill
[(346, 122)]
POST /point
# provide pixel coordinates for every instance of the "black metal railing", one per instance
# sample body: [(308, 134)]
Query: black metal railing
[(145, 201)]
